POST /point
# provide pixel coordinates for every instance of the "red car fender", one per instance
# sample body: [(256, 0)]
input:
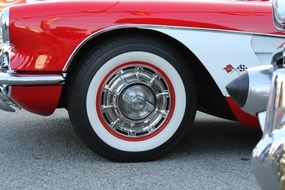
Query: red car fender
[(47, 35)]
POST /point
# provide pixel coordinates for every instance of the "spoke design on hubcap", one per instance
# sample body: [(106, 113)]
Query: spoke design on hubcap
[(137, 73), (105, 107), (152, 79), (135, 101), (165, 93)]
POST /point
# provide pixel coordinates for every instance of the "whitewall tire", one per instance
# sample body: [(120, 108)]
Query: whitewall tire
[(129, 98)]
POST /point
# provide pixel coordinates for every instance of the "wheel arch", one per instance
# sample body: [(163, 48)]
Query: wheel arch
[(216, 105)]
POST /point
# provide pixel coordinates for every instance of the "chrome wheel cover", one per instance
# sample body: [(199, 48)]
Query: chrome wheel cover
[(135, 100)]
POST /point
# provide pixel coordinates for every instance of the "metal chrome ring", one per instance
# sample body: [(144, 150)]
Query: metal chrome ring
[(135, 101)]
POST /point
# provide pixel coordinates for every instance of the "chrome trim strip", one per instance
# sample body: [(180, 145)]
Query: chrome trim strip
[(261, 118), (277, 24), (276, 103), (210, 29), (94, 35), (28, 79), (5, 25), (153, 27), (278, 9)]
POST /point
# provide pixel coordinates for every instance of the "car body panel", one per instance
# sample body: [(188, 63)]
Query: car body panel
[(217, 49), (243, 117), (46, 37), (42, 100), (52, 33)]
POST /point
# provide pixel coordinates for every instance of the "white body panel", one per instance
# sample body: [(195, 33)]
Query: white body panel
[(217, 49)]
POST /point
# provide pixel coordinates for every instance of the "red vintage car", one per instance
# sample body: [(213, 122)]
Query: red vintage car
[(132, 73)]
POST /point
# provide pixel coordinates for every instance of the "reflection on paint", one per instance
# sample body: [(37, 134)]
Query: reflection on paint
[(41, 61)]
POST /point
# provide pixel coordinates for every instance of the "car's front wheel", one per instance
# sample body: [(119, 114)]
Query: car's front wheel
[(132, 98)]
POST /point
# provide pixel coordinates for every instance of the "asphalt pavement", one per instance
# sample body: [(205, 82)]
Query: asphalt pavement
[(44, 153)]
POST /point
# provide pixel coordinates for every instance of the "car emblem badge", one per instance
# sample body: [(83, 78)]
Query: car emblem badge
[(239, 69)]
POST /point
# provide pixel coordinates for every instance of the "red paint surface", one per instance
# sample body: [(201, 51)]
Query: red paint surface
[(55, 29), (165, 122), (243, 117), (41, 100)]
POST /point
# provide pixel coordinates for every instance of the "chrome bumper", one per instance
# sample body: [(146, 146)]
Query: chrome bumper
[(9, 78), (268, 158), (24, 79)]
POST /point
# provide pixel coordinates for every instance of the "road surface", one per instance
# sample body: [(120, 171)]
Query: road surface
[(44, 153)]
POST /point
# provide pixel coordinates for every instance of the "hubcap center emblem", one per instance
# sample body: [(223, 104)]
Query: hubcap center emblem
[(138, 103)]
